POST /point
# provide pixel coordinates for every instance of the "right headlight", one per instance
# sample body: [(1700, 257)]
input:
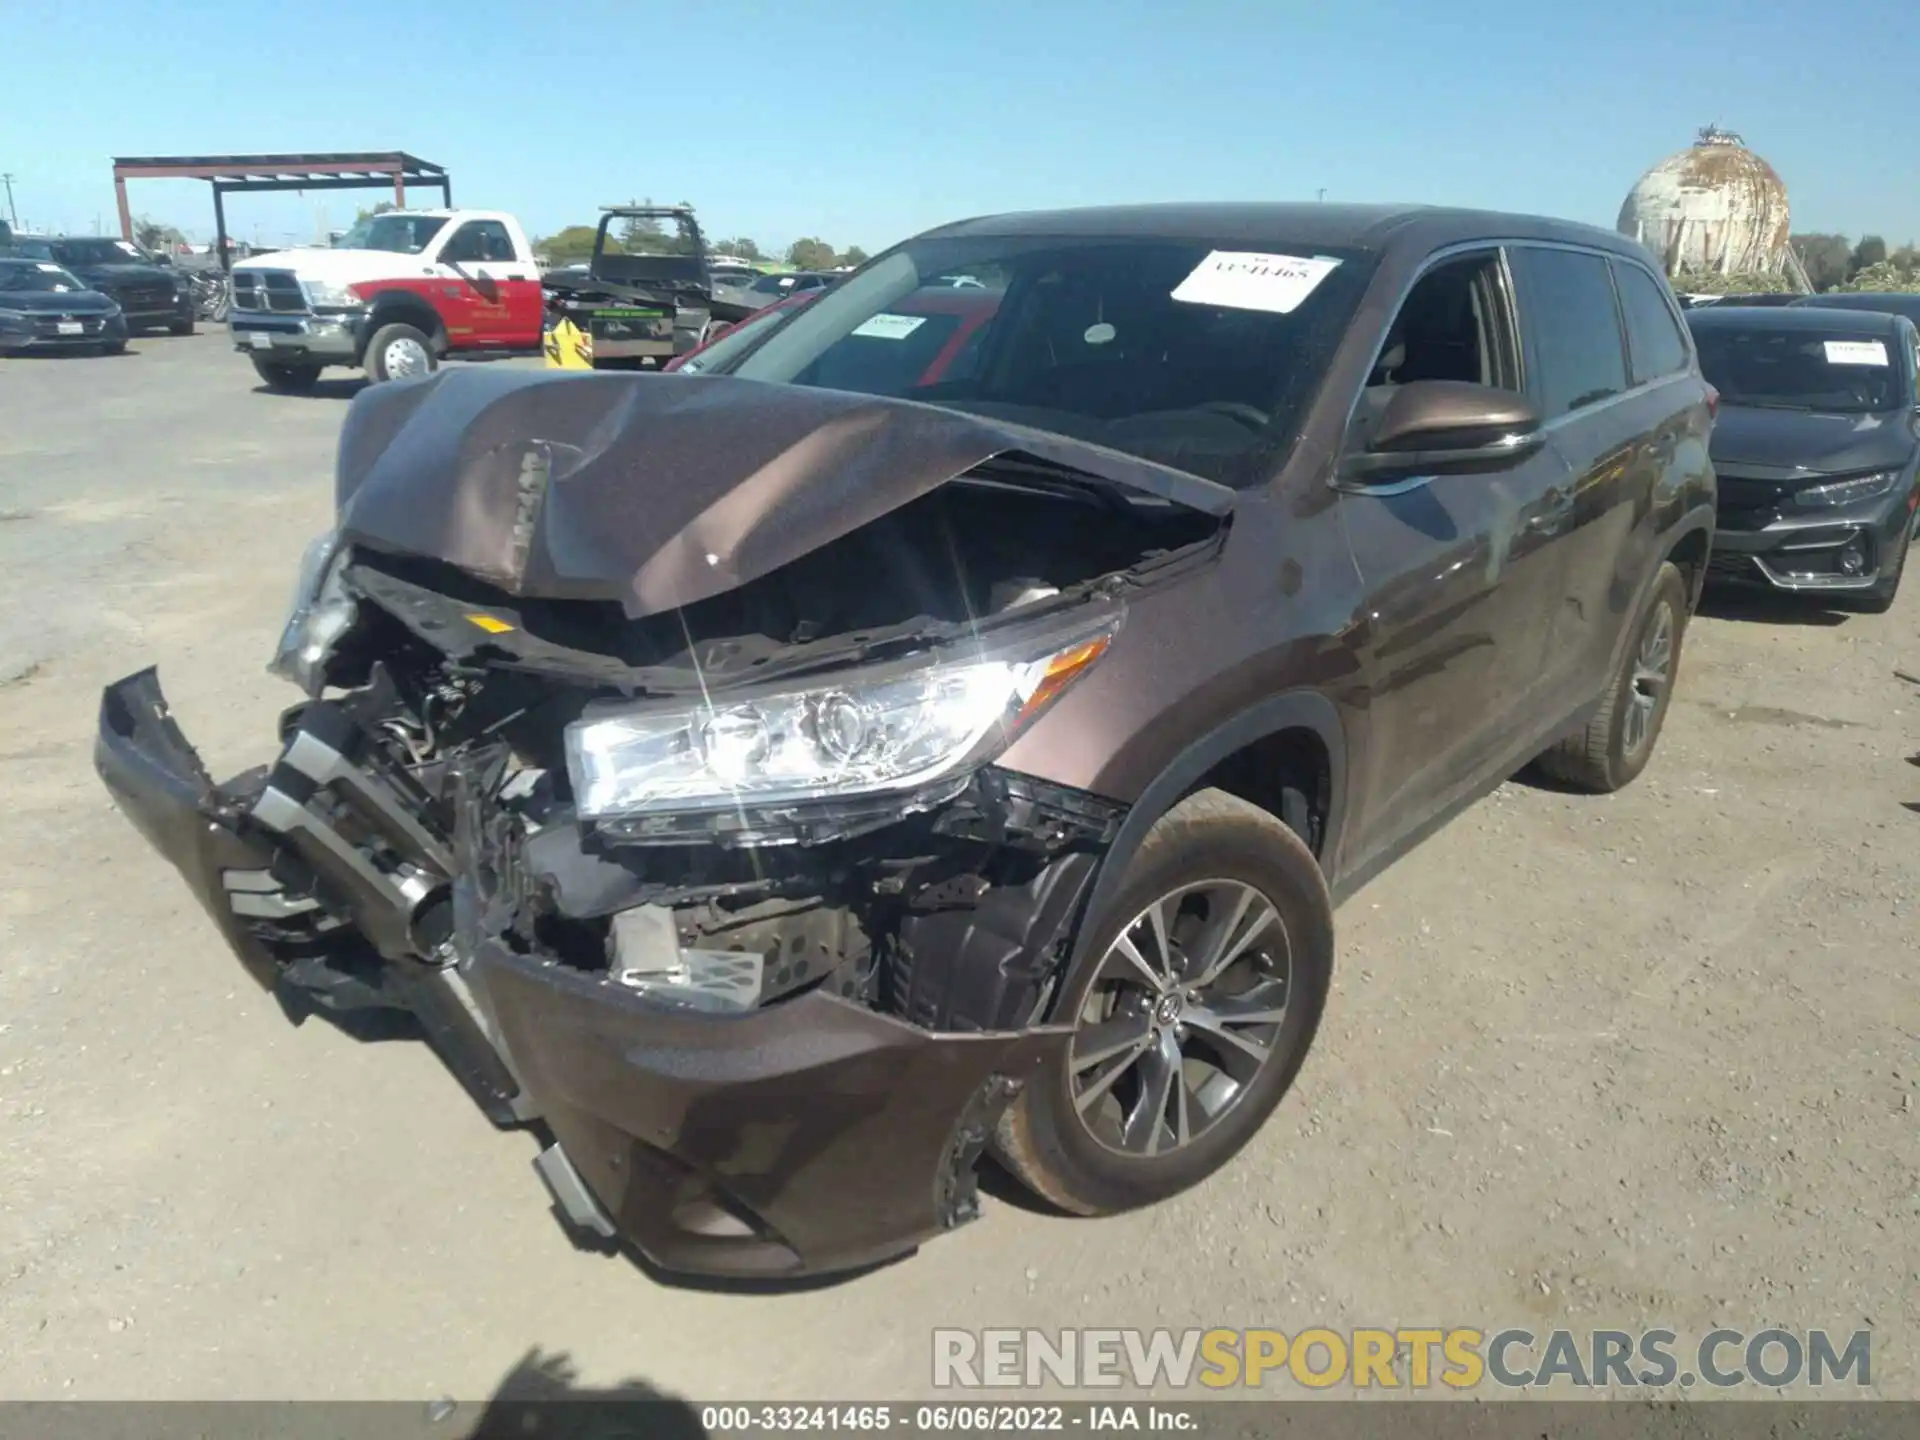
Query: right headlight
[(330, 295), (892, 730), (322, 611), (1846, 492)]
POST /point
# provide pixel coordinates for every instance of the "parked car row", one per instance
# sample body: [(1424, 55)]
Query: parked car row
[(87, 293)]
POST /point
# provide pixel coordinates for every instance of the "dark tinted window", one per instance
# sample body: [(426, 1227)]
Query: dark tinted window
[(1792, 368), (1654, 341), (1202, 356), (1573, 328), (479, 240)]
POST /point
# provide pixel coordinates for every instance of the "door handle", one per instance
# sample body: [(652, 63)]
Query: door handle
[(1555, 509)]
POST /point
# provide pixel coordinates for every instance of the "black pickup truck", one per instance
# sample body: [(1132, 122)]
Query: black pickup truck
[(630, 310)]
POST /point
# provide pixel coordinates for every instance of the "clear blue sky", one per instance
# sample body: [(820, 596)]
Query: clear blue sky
[(863, 122)]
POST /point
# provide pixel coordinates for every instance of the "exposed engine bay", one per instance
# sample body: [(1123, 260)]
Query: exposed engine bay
[(456, 698)]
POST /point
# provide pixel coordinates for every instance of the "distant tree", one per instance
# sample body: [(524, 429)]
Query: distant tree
[(367, 212), (572, 245), (150, 234), (1739, 282), (642, 234), (1871, 250), (853, 255), (811, 253), (1828, 258), (1883, 277), (1907, 257), (740, 247)]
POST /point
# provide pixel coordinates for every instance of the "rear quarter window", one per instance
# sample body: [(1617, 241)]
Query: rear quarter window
[(1655, 345), (1575, 357)]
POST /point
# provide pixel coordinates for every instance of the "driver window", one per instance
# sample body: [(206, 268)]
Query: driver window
[(1446, 329), (478, 241)]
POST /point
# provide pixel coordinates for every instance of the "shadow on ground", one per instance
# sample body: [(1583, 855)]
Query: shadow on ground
[(1763, 607), (344, 388), (539, 1400)]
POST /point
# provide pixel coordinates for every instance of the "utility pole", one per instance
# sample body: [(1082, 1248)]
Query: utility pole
[(1320, 194), (7, 180)]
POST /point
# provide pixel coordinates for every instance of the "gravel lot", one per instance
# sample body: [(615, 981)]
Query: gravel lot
[(1647, 1060)]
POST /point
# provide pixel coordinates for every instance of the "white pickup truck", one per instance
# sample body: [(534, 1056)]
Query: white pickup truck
[(395, 295)]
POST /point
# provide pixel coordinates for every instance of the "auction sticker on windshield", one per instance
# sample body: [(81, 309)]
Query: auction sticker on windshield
[(890, 327), (1250, 280), (1856, 352)]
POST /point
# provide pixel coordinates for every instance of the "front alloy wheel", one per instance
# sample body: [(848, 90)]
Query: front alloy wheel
[(1194, 1001), (1181, 1018)]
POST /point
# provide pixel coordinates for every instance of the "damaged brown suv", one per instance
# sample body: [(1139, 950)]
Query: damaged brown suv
[(950, 726)]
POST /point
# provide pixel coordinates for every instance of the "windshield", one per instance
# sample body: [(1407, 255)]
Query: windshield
[(395, 233), (97, 252), (740, 338), (1200, 356), (40, 277), (1799, 369)]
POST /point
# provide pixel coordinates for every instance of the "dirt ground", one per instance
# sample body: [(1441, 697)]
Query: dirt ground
[(1647, 1060)]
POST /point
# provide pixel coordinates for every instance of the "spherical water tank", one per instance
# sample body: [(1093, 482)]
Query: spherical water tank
[(1716, 206)]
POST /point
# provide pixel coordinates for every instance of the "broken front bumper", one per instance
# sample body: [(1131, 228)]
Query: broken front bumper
[(810, 1135)]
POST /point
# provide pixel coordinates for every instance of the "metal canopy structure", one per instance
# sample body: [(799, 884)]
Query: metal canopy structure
[(237, 174)]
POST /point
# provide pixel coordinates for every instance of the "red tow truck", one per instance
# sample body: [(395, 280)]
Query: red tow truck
[(395, 295)]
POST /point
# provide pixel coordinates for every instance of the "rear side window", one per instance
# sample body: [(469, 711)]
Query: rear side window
[(1575, 357), (1654, 342)]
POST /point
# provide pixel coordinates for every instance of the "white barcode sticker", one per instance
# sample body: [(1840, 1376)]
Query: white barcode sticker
[(1856, 352), (1252, 280), (890, 327)]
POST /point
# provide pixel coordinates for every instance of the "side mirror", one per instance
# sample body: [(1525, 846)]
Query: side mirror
[(1438, 427)]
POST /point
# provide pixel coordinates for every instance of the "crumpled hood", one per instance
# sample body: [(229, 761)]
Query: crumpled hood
[(658, 491), (1787, 444)]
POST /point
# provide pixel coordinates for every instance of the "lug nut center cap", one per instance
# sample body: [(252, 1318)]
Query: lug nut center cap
[(1167, 1010)]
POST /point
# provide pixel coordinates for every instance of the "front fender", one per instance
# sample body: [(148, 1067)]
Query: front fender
[(1291, 710)]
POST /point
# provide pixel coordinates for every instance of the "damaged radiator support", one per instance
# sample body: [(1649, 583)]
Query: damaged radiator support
[(404, 913)]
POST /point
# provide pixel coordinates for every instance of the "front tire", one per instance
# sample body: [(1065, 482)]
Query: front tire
[(114, 347), (1619, 741), (181, 327), (398, 352), (287, 379), (1194, 1003)]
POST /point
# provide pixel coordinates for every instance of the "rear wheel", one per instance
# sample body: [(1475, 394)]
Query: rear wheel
[(1617, 743), (287, 379), (398, 351), (1193, 1006)]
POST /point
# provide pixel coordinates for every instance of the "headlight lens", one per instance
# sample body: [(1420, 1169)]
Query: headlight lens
[(894, 729), (321, 613), (326, 292), (1846, 492)]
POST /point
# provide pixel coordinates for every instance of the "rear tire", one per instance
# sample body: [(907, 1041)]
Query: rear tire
[(287, 379), (1059, 1135), (399, 351), (1617, 744), (114, 347)]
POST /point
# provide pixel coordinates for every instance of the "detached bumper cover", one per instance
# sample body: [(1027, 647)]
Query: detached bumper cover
[(807, 1136), (811, 1135), (160, 785)]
